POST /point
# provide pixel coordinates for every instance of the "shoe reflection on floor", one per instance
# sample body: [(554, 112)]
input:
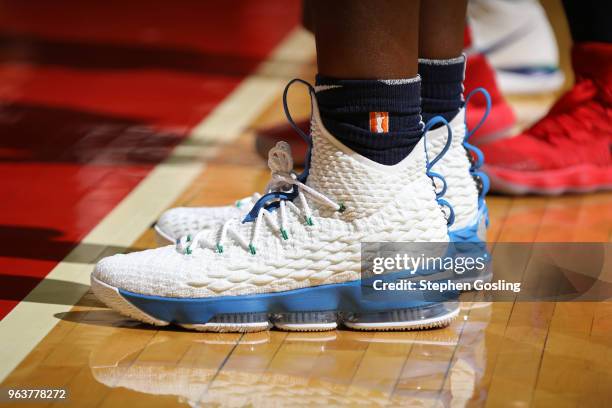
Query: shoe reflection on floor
[(426, 368)]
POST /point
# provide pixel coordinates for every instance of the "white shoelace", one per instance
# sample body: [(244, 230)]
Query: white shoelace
[(283, 179)]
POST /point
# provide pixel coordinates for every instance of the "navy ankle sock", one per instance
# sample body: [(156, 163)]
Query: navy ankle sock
[(442, 87), (379, 119)]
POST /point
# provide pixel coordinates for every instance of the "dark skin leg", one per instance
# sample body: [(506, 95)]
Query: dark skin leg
[(365, 39), (307, 17), (441, 28)]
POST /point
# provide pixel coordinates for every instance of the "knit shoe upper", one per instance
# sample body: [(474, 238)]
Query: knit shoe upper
[(180, 221), (454, 166), (461, 189), (313, 239)]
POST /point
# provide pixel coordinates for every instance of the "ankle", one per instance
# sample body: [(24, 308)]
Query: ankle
[(379, 119), (442, 87)]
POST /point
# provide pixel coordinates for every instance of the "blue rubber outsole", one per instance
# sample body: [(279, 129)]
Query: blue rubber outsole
[(347, 297)]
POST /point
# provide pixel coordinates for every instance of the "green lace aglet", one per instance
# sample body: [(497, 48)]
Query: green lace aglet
[(252, 249), (220, 248), (238, 203), (284, 233), (309, 221), (342, 208), (188, 251), (189, 238)]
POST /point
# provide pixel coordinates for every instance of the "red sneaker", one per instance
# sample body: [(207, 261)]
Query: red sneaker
[(480, 74), (501, 119), (569, 149)]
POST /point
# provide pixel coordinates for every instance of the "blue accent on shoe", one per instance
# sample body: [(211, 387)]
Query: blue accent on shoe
[(307, 138), (471, 232), (451, 216), (303, 176), (484, 92), (470, 242), (440, 177), (270, 201), (355, 297), (475, 168), (433, 123), (295, 127)]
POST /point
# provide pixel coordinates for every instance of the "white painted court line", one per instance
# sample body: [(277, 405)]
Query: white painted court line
[(29, 322)]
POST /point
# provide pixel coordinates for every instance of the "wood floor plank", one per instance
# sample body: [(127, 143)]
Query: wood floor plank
[(565, 354), (517, 362)]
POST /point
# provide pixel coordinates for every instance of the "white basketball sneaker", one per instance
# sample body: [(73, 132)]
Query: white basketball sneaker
[(519, 42), (465, 189), (295, 259)]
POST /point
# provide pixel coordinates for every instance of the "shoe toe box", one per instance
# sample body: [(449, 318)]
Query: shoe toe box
[(150, 272)]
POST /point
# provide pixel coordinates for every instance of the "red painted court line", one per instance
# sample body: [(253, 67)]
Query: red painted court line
[(93, 96)]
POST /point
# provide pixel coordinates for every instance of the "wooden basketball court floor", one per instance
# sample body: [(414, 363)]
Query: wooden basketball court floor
[(494, 354)]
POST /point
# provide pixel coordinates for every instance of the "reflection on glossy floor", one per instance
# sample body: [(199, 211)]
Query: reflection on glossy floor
[(494, 354)]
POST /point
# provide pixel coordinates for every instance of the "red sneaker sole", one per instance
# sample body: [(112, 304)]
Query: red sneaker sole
[(577, 179)]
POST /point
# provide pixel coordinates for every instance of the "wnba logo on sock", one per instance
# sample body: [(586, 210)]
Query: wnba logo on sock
[(379, 122)]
